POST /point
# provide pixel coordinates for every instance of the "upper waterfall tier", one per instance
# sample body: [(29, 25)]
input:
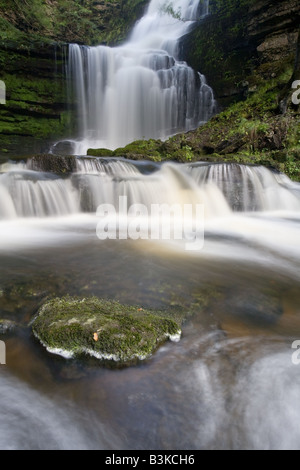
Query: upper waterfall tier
[(140, 90)]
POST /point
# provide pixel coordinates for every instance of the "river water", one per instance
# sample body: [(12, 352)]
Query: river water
[(231, 382)]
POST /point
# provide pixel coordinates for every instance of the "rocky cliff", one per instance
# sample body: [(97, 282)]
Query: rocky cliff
[(33, 48), (35, 112), (243, 39)]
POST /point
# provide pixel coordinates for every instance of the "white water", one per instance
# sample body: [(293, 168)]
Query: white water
[(247, 210), (222, 188), (248, 403), (228, 383), (139, 90), (250, 188)]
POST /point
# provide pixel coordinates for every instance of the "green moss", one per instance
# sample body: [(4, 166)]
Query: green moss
[(148, 148), (124, 333), (100, 152), (154, 150), (218, 48), (35, 98), (225, 46), (81, 21)]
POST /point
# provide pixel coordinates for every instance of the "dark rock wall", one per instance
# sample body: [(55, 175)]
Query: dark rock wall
[(242, 39), (35, 112), (33, 53)]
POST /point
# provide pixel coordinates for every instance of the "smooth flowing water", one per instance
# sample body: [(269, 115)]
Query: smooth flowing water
[(139, 90), (232, 381)]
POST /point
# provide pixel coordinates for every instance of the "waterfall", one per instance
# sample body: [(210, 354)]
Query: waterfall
[(249, 188), (222, 188), (33, 194), (140, 90)]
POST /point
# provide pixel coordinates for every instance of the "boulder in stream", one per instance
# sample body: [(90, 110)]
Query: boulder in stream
[(106, 330), (58, 164)]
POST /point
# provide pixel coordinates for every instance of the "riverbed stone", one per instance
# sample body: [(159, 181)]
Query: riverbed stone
[(7, 326), (106, 330)]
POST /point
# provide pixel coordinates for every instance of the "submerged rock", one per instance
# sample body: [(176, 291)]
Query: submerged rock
[(7, 326), (106, 330)]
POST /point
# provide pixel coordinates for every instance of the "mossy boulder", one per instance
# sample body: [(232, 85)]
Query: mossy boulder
[(58, 164), (137, 150), (100, 152), (107, 330), (152, 150)]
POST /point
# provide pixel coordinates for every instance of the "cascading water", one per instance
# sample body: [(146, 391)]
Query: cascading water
[(140, 90), (222, 188), (249, 188), (231, 354)]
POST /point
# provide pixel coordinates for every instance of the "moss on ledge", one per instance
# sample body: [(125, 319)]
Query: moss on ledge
[(106, 330)]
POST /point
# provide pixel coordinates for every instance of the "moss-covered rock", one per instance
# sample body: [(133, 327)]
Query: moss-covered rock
[(152, 150), (58, 164), (81, 21), (100, 152), (241, 39), (103, 329), (35, 112)]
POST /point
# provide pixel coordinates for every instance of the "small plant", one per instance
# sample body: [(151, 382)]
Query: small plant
[(188, 152), (168, 9)]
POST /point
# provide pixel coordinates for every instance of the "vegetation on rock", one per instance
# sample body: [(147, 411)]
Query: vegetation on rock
[(81, 21), (249, 131), (103, 329)]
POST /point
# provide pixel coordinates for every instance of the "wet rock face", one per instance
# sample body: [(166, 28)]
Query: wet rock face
[(58, 164), (274, 27), (35, 111), (241, 37), (33, 56), (105, 330)]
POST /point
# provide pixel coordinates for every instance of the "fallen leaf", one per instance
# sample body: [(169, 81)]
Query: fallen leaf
[(96, 337)]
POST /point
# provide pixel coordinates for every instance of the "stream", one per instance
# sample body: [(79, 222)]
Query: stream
[(230, 383)]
